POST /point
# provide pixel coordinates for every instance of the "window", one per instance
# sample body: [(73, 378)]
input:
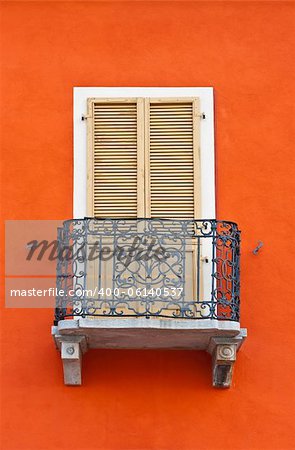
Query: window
[(145, 152), (143, 157)]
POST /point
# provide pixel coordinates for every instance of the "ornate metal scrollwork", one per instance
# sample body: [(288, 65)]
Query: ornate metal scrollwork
[(186, 269)]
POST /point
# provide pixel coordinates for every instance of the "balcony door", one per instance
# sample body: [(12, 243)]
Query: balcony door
[(143, 161)]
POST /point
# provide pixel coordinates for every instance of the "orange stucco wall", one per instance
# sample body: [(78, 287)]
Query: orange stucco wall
[(155, 399)]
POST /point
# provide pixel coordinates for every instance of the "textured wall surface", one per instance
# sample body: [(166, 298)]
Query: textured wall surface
[(155, 399)]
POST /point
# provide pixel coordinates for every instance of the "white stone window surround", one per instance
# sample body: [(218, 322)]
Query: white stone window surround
[(81, 94)]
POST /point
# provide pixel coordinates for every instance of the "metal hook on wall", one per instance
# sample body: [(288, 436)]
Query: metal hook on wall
[(256, 250)]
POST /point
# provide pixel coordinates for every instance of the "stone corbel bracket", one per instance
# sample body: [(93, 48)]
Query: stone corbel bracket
[(224, 354), (72, 348), (221, 340)]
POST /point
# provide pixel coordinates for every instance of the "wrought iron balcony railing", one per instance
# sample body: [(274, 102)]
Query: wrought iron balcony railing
[(184, 269)]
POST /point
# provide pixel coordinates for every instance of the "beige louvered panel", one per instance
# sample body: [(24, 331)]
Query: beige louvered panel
[(115, 160), (114, 163), (115, 171), (143, 161), (172, 158)]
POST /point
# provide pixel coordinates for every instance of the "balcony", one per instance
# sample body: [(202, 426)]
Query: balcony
[(148, 283)]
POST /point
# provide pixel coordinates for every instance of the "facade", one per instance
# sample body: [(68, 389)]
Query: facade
[(225, 75)]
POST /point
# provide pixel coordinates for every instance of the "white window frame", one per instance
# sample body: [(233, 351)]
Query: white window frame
[(81, 94)]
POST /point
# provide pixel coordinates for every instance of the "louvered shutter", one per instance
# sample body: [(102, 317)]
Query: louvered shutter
[(172, 158), (172, 164), (143, 161), (115, 158)]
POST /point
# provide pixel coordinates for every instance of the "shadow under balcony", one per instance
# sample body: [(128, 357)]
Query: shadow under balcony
[(148, 283)]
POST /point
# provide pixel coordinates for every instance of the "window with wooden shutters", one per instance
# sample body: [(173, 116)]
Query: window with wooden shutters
[(143, 158), (143, 161)]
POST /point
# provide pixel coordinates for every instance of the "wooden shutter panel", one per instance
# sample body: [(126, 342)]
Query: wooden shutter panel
[(143, 161), (172, 158), (115, 158)]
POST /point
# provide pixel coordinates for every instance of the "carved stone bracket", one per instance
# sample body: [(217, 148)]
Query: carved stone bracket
[(224, 354), (221, 340), (72, 348)]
